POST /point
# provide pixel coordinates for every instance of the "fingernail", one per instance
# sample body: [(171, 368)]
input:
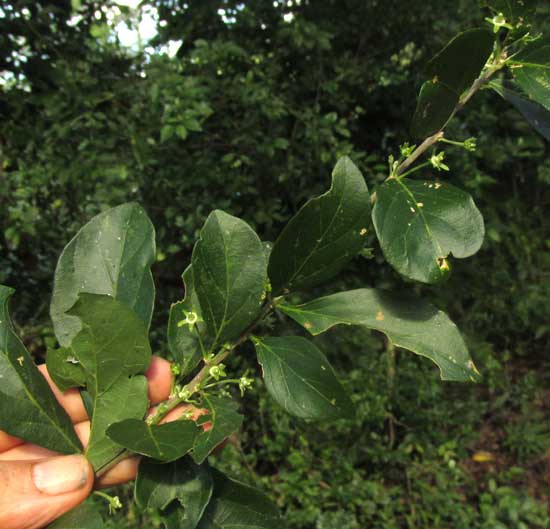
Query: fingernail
[(60, 474)]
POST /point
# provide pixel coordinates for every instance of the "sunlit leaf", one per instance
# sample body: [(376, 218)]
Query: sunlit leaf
[(238, 506), (229, 275), (112, 348), (300, 379), (28, 408), (64, 369), (419, 224), (182, 337), (110, 255), (409, 322), (225, 420), (164, 442), (325, 233)]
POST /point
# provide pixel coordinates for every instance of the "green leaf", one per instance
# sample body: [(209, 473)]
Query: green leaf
[(127, 399), (435, 107), (181, 490), (176, 516), (531, 68), (28, 408), (238, 506), (111, 255), (460, 62), (325, 233), (165, 442), (85, 516), (407, 321), (419, 223), (537, 116), (225, 420), (182, 339), (229, 275), (112, 343), (64, 369), (159, 484), (300, 379), (111, 347)]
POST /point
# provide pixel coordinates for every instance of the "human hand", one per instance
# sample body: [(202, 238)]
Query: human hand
[(38, 485)]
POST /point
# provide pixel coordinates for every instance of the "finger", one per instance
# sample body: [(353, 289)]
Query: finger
[(160, 377), (126, 470), (70, 399), (180, 410), (7, 441), (121, 473), (32, 494), (29, 451)]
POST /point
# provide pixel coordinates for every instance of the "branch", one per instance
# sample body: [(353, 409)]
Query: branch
[(191, 387), (434, 138)]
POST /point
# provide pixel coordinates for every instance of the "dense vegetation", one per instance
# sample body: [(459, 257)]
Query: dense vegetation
[(250, 116)]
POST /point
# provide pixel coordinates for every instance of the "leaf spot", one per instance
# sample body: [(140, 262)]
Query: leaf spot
[(363, 231), (307, 325), (20, 361), (379, 316)]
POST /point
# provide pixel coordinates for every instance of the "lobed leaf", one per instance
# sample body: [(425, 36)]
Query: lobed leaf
[(127, 399), (28, 408), (158, 485), (64, 369), (407, 321), (112, 347), (420, 223), (111, 255), (325, 233), (238, 506), (434, 108), (182, 339), (225, 420), (300, 379), (164, 442), (229, 276), (461, 61)]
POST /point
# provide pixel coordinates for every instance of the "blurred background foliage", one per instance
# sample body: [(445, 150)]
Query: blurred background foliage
[(249, 115)]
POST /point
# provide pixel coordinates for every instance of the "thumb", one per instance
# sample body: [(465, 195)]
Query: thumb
[(34, 493)]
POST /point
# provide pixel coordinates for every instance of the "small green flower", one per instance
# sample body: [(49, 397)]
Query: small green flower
[(217, 372), (114, 504), (437, 162), (470, 144), (244, 384), (191, 318), (406, 149), (184, 393)]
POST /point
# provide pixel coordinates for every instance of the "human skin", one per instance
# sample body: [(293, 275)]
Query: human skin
[(38, 485)]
